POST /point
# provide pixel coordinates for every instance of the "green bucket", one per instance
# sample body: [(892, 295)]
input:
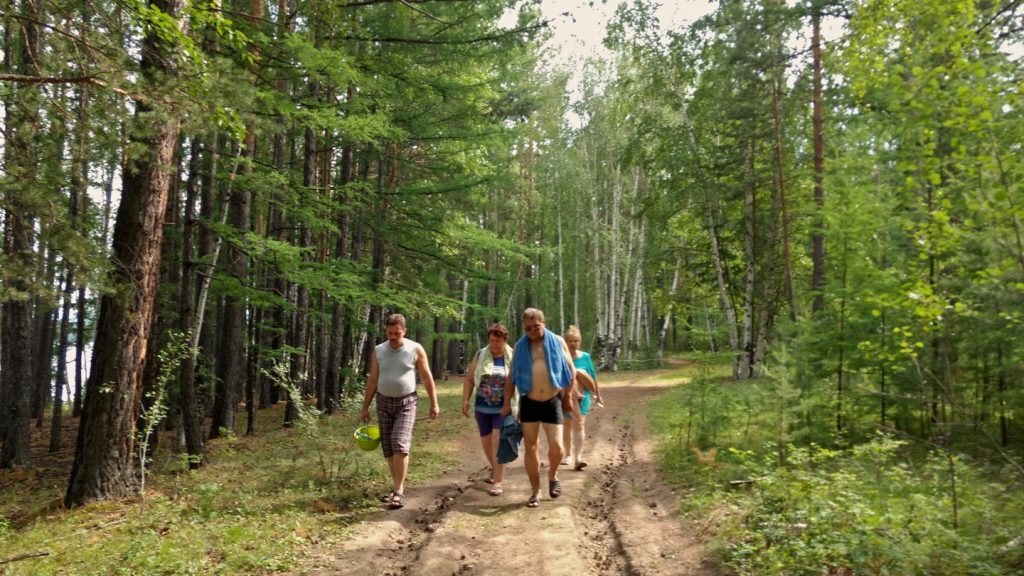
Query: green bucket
[(367, 437)]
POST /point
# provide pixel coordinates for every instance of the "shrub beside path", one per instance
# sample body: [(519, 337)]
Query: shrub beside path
[(614, 517)]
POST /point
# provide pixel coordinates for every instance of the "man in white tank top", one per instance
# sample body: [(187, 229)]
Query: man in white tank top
[(392, 382)]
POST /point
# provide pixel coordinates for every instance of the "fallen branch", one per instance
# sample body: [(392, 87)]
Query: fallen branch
[(25, 556)]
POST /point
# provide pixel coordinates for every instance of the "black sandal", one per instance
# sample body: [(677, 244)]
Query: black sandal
[(387, 497), (554, 488), (397, 500), (533, 502)]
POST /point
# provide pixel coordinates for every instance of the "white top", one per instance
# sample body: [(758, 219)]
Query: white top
[(396, 369)]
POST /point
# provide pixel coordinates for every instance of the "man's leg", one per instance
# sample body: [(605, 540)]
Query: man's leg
[(553, 433), (399, 466), (531, 432), (404, 420)]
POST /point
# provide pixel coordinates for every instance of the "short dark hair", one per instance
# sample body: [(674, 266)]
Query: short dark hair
[(497, 329), (395, 320)]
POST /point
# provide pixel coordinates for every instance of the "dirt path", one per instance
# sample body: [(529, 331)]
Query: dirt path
[(615, 517)]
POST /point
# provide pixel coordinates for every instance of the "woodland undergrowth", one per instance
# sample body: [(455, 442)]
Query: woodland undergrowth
[(260, 504), (781, 494)]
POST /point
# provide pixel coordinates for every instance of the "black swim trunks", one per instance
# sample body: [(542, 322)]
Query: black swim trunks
[(547, 412)]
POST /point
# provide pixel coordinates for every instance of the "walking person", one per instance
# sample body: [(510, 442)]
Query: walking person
[(543, 372), (487, 373), (585, 394), (392, 382)]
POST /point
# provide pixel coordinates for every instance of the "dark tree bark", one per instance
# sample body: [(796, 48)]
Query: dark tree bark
[(17, 346), (106, 437), (252, 369), (232, 350), (191, 420), (818, 122), (298, 373), (207, 350), (21, 53), (323, 351), (166, 308), (45, 324), (377, 278), (57, 420)]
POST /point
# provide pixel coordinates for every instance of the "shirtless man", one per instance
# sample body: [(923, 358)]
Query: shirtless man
[(544, 387)]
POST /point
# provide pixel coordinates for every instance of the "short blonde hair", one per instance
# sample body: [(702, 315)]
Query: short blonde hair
[(572, 330)]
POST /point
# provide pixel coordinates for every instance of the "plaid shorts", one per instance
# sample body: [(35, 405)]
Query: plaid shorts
[(396, 417)]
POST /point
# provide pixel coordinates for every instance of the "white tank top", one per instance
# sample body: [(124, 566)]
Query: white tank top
[(396, 369)]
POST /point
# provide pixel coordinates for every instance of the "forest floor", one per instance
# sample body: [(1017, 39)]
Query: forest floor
[(614, 517)]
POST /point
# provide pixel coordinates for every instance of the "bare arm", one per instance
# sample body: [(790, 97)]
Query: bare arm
[(468, 385), (510, 386), (371, 387), (428, 381), (572, 390)]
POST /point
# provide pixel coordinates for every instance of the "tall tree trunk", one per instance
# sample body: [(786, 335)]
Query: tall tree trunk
[(635, 335), (17, 344), (203, 340), (77, 197), (667, 321), (818, 123), (276, 224), (299, 372), (45, 323), (377, 266), (841, 363), (57, 421), (614, 304), (780, 183), (21, 56), (323, 347), (252, 376), (232, 349), (166, 308), (80, 188), (725, 300), (103, 456), (750, 246), (191, 420), (339, 321)]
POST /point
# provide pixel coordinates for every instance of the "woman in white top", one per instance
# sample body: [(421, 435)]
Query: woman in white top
[(487, 373)]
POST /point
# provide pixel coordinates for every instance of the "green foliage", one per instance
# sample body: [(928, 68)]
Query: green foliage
[(178, 347), (869, 510), (261, 504), (878, 506)]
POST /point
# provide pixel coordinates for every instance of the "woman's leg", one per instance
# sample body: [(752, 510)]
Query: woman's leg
[(579, 422), (490, 449), (567, 429)]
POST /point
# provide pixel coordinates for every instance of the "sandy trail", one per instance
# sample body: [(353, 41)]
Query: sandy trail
[(614, 517)]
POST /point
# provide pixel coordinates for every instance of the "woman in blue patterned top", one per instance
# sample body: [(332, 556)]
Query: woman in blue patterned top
[(487, 373)]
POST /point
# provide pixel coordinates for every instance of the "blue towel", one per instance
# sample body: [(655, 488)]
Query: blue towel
[(522, 363), (511, 436)]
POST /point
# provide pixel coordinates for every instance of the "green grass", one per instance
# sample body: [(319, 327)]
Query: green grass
[(867, 504), (258, 506)]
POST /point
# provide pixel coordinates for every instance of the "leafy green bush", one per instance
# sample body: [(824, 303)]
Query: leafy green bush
[(868, 510), (781, 504)]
